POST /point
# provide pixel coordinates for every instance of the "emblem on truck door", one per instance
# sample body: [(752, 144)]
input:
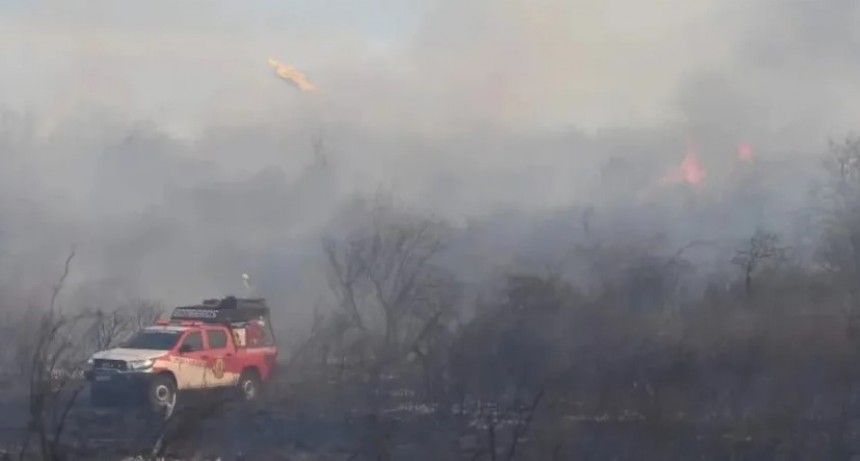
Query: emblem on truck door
[(218, 369)]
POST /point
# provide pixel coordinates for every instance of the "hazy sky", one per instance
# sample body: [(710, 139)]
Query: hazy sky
[(544, 62), (588, 63)]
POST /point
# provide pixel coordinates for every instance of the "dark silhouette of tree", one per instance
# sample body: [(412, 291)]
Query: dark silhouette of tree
[(761, 248)]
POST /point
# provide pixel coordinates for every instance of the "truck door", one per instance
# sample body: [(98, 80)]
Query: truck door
[(221, 360), (190, 361)]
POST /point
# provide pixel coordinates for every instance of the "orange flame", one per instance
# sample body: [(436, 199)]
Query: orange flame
[(693, 171), (745, 152), (690, 170), (292, 74)]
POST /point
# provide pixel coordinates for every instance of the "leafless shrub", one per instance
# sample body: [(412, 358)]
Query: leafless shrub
[(387, 286), (761, 248), (111, 326), (53, 382), (838, 212)]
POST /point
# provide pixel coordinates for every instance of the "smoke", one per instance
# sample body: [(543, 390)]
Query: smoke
[(154, 136)]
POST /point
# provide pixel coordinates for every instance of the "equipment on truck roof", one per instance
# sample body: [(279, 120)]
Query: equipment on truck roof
[(227, 310)]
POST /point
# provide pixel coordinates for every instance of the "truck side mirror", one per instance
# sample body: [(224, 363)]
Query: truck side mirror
[(185, 348)]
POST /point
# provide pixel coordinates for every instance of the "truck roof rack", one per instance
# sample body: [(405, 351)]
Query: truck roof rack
[(227, 310)]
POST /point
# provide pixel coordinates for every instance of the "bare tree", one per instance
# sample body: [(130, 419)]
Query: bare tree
[(110, 327), (585, 218), (53, 383), (761, 248), (839, 215), (58, 287), (144, 312), (319, 149), (386, 283)]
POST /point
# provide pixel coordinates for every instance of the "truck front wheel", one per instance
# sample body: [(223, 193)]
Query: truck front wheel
[(162, 394)]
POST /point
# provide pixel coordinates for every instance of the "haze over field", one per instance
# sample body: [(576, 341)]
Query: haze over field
[(157, 138)]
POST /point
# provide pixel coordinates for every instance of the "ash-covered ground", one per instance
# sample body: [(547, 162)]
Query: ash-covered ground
[(316, 420)]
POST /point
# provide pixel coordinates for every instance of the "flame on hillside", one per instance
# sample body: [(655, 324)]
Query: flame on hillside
[(745, 152), (293, 75), (690, 171)]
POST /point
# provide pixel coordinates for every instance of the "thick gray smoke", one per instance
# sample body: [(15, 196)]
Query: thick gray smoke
[(155, 138)]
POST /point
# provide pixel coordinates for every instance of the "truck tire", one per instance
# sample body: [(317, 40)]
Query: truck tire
[(249, 385), (161, 394)]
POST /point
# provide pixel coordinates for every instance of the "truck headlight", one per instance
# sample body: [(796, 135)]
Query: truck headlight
[(140, 364)]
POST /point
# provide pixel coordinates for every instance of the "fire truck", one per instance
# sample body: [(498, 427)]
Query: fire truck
[(220, 344)]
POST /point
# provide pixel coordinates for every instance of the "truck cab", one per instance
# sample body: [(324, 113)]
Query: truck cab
[(218, 344)]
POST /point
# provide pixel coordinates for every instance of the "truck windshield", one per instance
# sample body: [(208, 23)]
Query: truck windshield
[(154, 340)]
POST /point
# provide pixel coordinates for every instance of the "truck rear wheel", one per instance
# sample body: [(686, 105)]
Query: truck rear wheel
[(162, 394), (249, 385)]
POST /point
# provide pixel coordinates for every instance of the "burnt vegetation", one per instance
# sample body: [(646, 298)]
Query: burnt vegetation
[(629, 352)]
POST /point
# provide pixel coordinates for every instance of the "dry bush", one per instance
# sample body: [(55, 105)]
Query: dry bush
[(391, 295), (51, 371), (109, 327)]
